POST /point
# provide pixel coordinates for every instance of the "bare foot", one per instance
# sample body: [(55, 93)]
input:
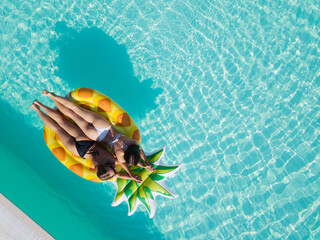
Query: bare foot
[(36, 102), (45, 93), (33, 106)]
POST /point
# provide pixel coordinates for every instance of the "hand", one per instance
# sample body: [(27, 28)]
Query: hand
[(150, 168), (136, 178)]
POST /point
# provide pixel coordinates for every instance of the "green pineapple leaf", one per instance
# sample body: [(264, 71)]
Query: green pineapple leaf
[(134, 194)]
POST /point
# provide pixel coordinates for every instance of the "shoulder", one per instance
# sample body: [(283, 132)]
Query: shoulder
[(119, 156), (130, 140)]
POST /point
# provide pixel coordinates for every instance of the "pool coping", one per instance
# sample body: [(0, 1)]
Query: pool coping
[(16, 224)]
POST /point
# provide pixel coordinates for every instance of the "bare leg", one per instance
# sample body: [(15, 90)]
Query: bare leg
[(67, 140), (69, 127), (95, 119), (86, 127)]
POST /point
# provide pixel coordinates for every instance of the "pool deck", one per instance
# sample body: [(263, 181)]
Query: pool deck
[(14, 224)]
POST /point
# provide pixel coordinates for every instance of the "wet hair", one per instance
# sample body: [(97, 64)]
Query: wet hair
[(93, 151), (104, 173), (132, 155)]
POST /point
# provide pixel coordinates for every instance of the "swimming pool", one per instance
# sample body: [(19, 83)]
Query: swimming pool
[(231, 89)]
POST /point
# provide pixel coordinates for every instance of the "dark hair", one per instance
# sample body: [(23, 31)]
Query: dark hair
[(103, 172), (132, 155)]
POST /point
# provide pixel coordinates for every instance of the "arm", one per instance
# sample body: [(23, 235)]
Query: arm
[(123, 175), (140, 164), (132, 176), (147, 165), (143, 156), (126, 168), (126, 176)]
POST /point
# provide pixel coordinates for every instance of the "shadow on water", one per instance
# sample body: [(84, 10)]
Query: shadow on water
[(67, 206), (91, 58)]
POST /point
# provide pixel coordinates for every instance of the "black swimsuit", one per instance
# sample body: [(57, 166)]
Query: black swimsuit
[(84, 146)]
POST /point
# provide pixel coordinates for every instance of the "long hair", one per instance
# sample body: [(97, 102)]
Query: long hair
[(104, 173), (132, 155)]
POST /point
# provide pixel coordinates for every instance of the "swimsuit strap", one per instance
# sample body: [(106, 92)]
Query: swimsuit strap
[(115, 139), (124, 145)]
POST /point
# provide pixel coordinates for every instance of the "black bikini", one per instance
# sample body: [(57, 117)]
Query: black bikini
[(84, 146)]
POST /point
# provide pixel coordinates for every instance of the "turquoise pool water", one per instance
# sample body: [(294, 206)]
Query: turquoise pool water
[(231, 89)]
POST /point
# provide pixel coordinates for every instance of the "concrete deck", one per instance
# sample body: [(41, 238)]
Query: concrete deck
[(14, 224)]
